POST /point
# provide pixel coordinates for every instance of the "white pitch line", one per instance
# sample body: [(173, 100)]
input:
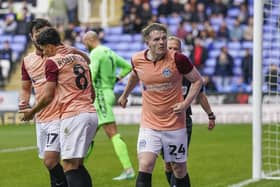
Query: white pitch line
[(17, 149), (244, 183)]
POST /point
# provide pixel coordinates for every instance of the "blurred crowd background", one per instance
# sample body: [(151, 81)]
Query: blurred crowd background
[(216, 35)]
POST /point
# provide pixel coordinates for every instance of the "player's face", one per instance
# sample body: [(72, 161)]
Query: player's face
[(34, 36), (173, 45), (157, 42), (48, 50)]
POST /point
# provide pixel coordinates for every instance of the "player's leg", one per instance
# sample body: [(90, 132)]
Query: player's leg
[(189, 128), (175, 151), (148, 147), (49, 151), (79, 131), (104, 106), (120, 150), (168, 172)]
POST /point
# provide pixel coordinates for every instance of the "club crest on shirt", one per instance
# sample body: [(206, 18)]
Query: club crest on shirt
[(166, 72)]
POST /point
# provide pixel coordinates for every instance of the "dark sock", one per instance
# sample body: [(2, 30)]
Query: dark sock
[(173, 180), (52, 180), (85, 175), (144, 179), (184, 182), (168, 175), (58, 178), (75, 178)]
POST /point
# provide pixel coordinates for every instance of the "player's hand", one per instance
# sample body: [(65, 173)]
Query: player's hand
[(211, 124), (23, 106), (122, 101), (27, 114), (178, 108)]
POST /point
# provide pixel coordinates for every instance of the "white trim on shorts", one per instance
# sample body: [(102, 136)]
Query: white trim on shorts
[(172, 144)]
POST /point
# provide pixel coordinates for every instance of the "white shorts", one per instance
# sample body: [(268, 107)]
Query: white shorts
[(48, 137), (172, 144), (76, 134)]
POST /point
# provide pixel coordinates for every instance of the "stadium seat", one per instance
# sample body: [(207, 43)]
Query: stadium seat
[(237, 71), (234, 45), (114, 30), (247, 45), (4, 38), (210, 62), (122, 46), (173, 20), (218, 44), (209, 70), (163, 20), (125, 38), (137, 38), (20, 39), (136, 46), (113, 38), (18, 47), (81, 46), (173, 29), (233, 12), (237, 62), (214, 53)]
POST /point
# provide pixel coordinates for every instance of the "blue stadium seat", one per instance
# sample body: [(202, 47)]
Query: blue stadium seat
[(209, 70), (210, 62), (113, 38), (218, 44), (125, 38), (18, 47), (233, 12), (163, 20), (173, 29), (114, 30), (81, 46), (4, 38), (237, 62), (237, 71), (173, 20), (20, 39), (234, 45), (247, 45), (122, 46), (137, 38), (214, 53), (136, 46)]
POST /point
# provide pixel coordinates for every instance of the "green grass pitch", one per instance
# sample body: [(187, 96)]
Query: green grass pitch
[(216, 159)]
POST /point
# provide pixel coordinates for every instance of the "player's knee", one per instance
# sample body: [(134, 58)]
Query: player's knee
[(168, 167), (50, 162), (146, 165), (70, 164), (179, 169)]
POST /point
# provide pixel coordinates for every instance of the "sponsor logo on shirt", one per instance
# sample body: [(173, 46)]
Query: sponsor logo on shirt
[(157, 87)]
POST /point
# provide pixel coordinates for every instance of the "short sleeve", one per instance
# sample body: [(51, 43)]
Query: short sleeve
[(183, 63), (51, 71)]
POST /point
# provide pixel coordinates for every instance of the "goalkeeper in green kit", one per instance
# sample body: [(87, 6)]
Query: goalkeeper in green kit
[(104, 63)]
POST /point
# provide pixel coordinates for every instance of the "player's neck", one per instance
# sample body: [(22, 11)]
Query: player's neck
[(154, 57)]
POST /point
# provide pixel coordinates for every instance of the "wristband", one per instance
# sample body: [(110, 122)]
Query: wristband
[(211, 116)]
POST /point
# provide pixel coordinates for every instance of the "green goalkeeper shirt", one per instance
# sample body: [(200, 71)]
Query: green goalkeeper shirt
[(103, 66)]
